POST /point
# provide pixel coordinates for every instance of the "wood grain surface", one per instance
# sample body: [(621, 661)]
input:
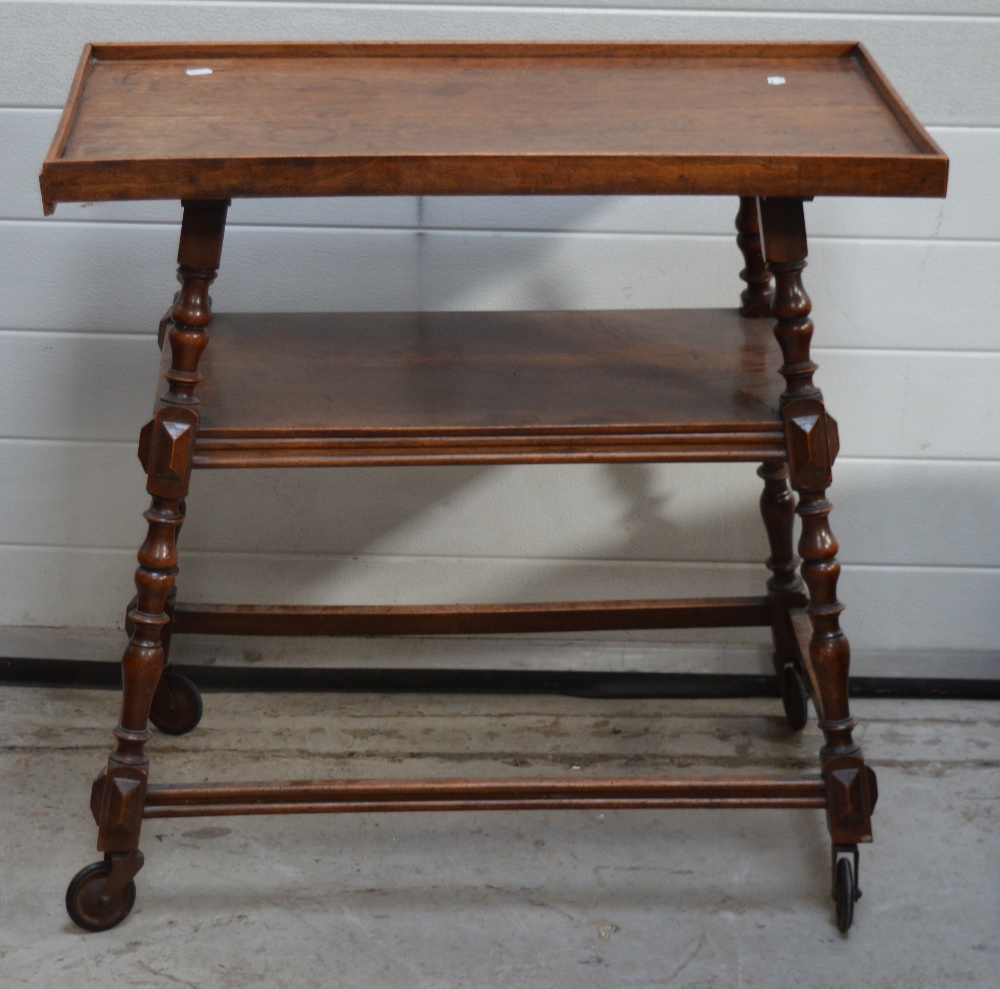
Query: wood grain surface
[(301, 389), (216, 121)]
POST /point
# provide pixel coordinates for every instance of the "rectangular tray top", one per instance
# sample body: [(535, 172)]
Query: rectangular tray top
[(215, 121), (412, 388)]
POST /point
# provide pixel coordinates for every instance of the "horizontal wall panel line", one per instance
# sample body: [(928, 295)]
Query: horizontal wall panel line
[(95, 335), (462, 6), (817, 351), (964, 216), (893, 351), (58, 441), (69, 441), (193, 555), (889, 460), (945, 129), (913, 49), (491, 232), (921, 461)]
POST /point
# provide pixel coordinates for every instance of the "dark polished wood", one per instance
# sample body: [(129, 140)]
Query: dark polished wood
[(479, 118), (812, 446), (117, 797), (474, 619), (784, 221), (774, 124), (551, 793), (489, 387), (777, 509), (755, 300)]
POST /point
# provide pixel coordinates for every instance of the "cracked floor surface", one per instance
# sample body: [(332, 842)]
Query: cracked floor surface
[(551, 899)]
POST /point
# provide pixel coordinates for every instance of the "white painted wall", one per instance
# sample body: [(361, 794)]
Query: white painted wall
[(905, 302)]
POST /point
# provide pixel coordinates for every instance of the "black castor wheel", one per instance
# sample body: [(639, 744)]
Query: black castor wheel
[(87, 901), (177, 706), (845, 885), (843, 894), (794, 697)]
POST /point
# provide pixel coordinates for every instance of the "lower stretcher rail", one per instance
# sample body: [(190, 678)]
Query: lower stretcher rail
[(477, 619), (361, 795)]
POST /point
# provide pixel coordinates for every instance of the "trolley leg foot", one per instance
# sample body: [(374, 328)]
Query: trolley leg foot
[(101, 895), (846, 892)]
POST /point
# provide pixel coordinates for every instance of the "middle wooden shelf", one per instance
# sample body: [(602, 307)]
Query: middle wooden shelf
[(342, 389)]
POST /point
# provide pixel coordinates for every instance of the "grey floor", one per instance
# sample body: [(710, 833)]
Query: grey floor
[(585, 898)]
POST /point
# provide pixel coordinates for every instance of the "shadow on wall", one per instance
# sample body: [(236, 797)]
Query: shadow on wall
[(468, 534), (445, 534)]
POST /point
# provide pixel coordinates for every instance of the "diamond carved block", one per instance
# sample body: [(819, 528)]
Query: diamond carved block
[(812, 441), (850, 794), (847, 798), (122, 800), (173, 448), (125, 799), (171, 451)]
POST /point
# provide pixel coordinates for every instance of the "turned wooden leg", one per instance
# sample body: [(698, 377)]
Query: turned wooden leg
[(165, 635), (102, 894), (812, 444), (141, 666), (785, 591), (177, 706), (755, 300)]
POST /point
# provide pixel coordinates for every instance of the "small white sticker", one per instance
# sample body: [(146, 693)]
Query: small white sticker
[(776, 80), (208, 72)]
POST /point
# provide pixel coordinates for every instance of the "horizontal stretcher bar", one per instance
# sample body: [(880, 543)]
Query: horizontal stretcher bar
[(475, 619), (347, 796)]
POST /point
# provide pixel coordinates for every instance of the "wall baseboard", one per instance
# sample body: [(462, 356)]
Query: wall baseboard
[(91, 674), (680, 664)]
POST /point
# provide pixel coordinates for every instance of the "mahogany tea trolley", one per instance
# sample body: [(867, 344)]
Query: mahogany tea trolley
[(771, 124)]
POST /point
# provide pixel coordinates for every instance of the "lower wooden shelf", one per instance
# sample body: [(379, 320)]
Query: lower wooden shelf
[(284, 390)]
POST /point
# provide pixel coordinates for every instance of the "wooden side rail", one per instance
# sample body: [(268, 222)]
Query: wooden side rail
[(717, 446), (347, 796), (476, 619)]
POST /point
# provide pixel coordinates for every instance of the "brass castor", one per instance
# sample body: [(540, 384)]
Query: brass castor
[(794, 697), (88, 903), (177, 706)]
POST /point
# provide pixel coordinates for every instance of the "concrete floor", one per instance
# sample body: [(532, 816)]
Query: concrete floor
[(580, 899)]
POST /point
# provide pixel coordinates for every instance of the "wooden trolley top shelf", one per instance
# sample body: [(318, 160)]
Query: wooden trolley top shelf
[(216, 121), (420, 388)]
